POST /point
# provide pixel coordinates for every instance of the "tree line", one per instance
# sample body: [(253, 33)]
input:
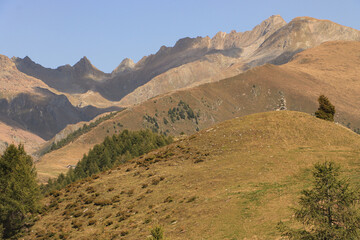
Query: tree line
[(77, 133), (113, 151)]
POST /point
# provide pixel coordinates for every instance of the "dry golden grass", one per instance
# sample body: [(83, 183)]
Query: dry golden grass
[(235, 180), (14, 135)]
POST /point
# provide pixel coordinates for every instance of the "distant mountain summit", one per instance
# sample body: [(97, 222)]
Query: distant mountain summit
[(80, 78), (225, 55), (300, 34), (125, 66)]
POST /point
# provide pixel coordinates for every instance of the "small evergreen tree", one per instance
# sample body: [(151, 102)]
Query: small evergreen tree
[(328, 210), (19, 191), (326, 110), (157, 233)]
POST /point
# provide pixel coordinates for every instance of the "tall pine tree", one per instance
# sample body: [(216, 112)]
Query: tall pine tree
[(327, 211), (19, 191), (326, 110)]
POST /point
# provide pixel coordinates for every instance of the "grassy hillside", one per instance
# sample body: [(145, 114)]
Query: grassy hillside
[(330, 69), (235, 180)]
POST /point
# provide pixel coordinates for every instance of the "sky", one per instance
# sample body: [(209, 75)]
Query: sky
[(58, 32)]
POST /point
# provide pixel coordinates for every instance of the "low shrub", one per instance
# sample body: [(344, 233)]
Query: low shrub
[(89, 214), (76, 224), (108, 222), (78, 214), (102, 202), (92, 222)]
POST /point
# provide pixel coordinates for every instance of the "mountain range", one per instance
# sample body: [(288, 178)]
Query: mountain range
[(43, 101), (192, 61)]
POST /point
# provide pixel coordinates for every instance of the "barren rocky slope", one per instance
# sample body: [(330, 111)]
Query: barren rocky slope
[(11, 134), (295, 85), (273, 41)]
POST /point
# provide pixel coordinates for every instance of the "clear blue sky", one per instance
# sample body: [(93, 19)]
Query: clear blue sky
[(58, 32)]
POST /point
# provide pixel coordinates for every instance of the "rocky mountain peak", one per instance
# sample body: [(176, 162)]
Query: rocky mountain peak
[(275, 19), (6, 65), (26, 61), (126, 65), (299, 34), (84, 67), (84, 62), (274, 22), (5, 61), (235, 39)]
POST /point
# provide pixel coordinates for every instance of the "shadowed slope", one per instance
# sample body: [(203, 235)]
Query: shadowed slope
[(30, 104)]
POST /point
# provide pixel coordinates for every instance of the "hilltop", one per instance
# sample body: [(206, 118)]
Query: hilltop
[(330, 69), (234, 180)]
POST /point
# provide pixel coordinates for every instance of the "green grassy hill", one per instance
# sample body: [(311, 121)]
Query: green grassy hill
[(235, 180)]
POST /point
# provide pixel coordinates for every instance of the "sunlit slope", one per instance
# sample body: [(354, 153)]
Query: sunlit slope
[(331, 69), (235, 180)]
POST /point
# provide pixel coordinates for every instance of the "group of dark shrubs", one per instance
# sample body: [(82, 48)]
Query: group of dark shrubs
[(182, 111)]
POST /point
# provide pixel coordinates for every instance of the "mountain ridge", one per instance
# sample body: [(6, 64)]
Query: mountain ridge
[(272, 41), (278, 48), (185, 50), (30, 105)]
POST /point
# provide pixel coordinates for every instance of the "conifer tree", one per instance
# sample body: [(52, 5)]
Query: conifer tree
[(157, 233), (326, 110), (328, 210), (19, 191)]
